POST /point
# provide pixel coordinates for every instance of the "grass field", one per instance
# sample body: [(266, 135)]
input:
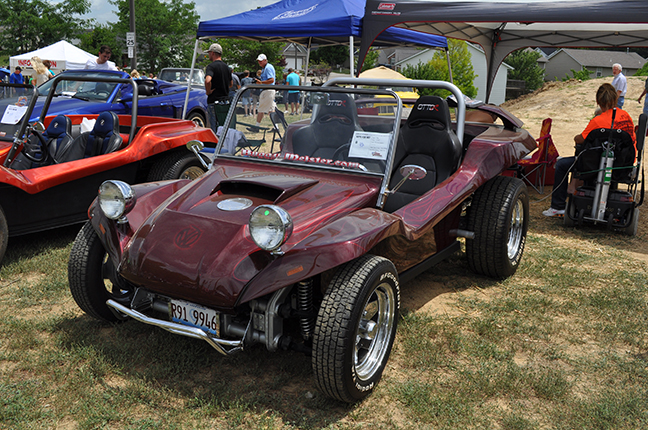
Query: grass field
[(560, 345)]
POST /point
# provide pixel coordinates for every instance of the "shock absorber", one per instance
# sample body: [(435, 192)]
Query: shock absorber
[(306, 308)]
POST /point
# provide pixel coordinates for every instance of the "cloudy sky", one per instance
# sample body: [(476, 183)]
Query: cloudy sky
[(104, 12)]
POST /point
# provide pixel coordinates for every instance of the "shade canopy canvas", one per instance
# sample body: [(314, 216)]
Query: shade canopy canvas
[(309, 22), (501, 27), (316, 22), (63, 56)]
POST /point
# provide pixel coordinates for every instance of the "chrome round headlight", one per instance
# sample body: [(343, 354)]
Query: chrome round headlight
[(116, 198), (270, 226)]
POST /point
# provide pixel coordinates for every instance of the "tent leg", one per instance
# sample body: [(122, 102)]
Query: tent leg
[(193, 65), (449, 66), (351, 55)]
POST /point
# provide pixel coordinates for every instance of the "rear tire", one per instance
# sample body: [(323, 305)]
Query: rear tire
[(177, 165), (499, 217), (356, 327), (92, 277), (4, 234)]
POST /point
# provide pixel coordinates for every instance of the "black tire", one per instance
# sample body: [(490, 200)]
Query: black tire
[(4, 234), (499, 217), (92, 277), (350, 346), (198, 119), (570, 213), (632, 229), (177, 165)]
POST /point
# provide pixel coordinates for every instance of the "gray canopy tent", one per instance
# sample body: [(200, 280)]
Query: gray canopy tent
[(501, 27)]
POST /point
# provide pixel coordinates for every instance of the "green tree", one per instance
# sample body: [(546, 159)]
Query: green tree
[(437, 69), (32, 24), (242, 54), (643, 71), (525, 68), (331, 55), (165, 31), (101, 35), (370, 61), (581, 75)]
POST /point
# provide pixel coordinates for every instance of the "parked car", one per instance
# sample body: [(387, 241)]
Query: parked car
[(51, 170), (301, 238), (181, 76), (156, 97)]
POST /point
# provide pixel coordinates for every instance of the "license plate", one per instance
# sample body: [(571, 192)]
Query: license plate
[(194, 315)]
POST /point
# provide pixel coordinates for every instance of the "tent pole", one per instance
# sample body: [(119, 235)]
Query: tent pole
[(193, 64), (449, 66), (351, 56)]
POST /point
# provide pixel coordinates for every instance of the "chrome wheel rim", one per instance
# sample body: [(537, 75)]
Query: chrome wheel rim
[(198, 121), (374, 331), (516, 230), (192, 173)]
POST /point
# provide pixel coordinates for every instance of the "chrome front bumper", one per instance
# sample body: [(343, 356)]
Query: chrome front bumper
[(225, 347)]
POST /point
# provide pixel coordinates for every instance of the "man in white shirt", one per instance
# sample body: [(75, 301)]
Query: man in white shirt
[(620, 84), (101, 62)]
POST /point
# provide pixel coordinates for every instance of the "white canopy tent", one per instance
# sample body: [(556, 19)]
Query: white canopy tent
[(62, 55)]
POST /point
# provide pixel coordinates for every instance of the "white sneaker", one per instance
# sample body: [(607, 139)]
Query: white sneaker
[(553, 212)]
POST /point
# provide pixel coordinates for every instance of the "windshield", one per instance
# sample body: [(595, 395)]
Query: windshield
[(333, 128), (90, 91), (14, 103), (182, 75)]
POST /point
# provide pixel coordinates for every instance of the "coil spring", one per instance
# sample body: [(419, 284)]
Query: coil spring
[(305, 305)]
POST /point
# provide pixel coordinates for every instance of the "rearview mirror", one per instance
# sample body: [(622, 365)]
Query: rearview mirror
[(38, 126), (413, 172), (319, 98)]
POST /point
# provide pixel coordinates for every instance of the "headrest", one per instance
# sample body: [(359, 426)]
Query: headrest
[(337, 107), (107, 123), (59, 126), (144, 90), (430, 109)]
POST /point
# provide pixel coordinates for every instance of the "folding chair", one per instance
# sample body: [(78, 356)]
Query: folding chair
[(278, 124), (253, 139), (533, 169)]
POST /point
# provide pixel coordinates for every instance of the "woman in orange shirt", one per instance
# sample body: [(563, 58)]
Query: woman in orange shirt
[(606, 98)]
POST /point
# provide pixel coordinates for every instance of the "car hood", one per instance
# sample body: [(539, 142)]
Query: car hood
[(193, 249)]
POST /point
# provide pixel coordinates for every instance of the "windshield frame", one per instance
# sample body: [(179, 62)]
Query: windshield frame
[(314, 89)]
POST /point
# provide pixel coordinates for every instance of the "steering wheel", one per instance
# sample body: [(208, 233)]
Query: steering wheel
[(44, 149), (339, 155)]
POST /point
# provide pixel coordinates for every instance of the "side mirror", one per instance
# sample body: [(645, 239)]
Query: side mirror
[(196, 146), (413, 172), (410, 172)]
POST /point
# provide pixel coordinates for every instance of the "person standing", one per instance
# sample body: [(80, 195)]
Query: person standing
[(645, 91), (247, 96), (266, 99), (293, 95), (619, 83), (16, 77), (40, 74), (218, 80), (101, 62), (236, 84)]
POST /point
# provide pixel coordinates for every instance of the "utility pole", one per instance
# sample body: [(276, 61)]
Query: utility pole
[(132, 51)]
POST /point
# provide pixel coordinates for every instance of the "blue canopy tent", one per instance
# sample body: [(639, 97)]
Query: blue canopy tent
[(310, 22)]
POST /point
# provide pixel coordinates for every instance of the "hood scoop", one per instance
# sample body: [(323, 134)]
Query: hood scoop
[(274, 188)]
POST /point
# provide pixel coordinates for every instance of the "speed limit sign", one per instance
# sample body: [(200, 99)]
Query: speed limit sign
[(130, 39)]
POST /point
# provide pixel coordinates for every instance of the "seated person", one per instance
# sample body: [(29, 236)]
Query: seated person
[(606, 99)]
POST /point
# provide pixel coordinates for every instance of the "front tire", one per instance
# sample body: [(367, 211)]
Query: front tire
[(177, 165), (92, 276), (499, 217), (356, 327)]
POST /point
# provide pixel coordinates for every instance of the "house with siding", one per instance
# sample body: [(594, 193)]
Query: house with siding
[(398, 58), (561, 62)]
